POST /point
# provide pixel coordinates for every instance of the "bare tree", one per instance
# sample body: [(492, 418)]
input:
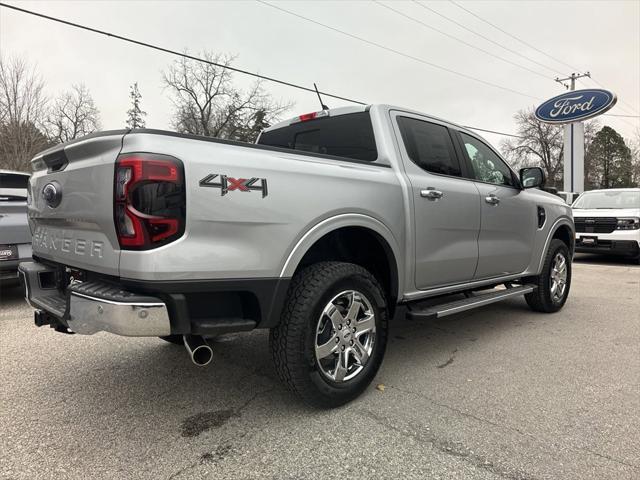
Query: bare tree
[(207, 103), (22, 109), (541, 144), (73, 115), (135, 115)]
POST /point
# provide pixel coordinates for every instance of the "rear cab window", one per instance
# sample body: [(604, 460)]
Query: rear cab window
[(348, 135), (429, 146)]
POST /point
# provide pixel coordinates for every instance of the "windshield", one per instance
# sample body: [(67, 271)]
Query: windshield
[(608, 199), (13, 187)]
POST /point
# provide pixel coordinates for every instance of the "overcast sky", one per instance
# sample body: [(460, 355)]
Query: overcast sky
[(600, 36)]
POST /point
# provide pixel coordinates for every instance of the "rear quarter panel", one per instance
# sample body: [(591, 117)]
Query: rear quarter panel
[(244, 235)]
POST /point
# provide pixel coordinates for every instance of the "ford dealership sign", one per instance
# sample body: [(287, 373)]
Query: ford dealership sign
[(575, 106)]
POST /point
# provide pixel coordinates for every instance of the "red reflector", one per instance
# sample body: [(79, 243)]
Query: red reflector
[(308, 116)]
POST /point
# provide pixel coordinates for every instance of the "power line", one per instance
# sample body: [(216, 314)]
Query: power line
[(515, 52), (633, 110), (174, 52), (622, 104), (623, 120), (513, 36), (184, 55), (530, 46), (470, 45), (397, 52), (616, 115), (493, 131)]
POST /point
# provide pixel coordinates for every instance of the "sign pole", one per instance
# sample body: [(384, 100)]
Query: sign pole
[(574, 157), (573, 145)]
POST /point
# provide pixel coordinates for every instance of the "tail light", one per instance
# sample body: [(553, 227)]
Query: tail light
[(149, 200)]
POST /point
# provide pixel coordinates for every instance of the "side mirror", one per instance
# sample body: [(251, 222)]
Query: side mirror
[(532, 177)]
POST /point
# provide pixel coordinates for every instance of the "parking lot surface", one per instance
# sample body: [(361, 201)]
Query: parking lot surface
[(496, 393)]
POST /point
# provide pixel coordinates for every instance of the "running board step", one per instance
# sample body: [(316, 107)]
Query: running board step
[(474, 301)]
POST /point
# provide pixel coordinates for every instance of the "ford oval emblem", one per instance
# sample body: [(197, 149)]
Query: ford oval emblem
[(576, 105), (52, 194)]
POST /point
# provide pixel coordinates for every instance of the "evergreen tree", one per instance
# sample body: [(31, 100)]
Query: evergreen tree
[(135, 115), (610, 160)]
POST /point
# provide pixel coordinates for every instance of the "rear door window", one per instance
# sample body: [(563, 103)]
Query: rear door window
[(429, 146), (348, 136)]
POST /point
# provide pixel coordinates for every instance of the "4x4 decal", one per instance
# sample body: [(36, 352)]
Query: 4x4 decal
[(228, 184)]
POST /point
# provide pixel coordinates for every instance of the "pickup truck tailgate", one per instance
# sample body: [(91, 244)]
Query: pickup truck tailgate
[(71, 203)]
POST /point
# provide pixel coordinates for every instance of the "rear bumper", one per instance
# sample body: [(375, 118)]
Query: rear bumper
[(9, 268), (147, 308), (92, 307)]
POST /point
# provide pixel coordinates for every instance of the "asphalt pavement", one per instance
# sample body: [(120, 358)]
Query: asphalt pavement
[(496, 393)]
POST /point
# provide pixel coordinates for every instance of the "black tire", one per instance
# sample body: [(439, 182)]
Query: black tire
[(542, 300), (175, 339), (293, 341)]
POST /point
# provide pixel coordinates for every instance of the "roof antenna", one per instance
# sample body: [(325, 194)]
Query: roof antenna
[(324, 107)]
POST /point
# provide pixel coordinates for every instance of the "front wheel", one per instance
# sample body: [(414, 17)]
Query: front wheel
[(554, 281), (332, 335)]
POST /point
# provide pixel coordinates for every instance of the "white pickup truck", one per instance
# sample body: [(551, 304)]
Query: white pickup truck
[(317, 232)]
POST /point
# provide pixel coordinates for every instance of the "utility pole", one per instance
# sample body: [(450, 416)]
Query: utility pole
[(573, 145), (573, 77)]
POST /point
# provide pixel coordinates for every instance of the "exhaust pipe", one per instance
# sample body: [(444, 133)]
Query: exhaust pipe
[(200, 352)]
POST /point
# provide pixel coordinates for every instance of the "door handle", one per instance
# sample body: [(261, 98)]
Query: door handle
[(431, 194), (492, 199)]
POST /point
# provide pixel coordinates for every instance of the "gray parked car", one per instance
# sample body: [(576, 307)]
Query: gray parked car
[(15, 237), (317, 232)]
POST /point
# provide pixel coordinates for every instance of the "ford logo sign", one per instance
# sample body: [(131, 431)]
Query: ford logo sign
[(575, 106), (52, 194)]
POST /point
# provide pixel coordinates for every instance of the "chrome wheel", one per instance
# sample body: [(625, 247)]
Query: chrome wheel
[(345, 336), (558, 283)]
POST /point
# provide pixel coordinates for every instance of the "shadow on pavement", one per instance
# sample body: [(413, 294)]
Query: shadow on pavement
[(11, 291), (160, 374), (596, 259)]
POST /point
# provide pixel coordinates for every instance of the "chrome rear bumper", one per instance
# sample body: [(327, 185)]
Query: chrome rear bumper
[(90, 307)]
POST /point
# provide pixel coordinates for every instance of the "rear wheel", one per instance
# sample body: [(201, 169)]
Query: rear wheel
[(332, 335), (554, 281)]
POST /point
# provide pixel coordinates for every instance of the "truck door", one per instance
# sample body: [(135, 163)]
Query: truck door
[(446, 206), (508, 219)]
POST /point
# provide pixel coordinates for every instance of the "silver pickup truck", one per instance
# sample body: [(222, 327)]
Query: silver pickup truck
[(316, 232)]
